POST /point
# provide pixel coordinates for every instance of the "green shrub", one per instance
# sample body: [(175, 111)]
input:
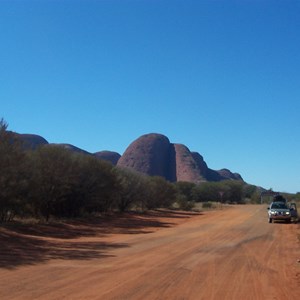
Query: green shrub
[(207, 205)]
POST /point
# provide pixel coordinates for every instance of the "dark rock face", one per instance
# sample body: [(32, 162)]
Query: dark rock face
[(227, 174), (154, 155), (203, 168), (149, 154), (110, 156), (189, 166), (213, 175), (32, 141), (237, 176)]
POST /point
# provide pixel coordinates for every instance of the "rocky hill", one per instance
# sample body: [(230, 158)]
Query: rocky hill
[(110, 156), (152, 154), (32, 141)]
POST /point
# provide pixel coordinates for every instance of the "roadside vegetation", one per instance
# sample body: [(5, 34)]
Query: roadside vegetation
[(53, 182)]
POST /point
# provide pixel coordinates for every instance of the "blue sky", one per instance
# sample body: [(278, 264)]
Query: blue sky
[(221, 77)]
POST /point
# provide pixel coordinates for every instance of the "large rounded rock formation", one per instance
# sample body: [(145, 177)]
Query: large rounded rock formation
[(149, 154), (154, 155), (189, 166)]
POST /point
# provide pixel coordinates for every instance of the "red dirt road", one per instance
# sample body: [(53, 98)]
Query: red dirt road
[(232, 253)]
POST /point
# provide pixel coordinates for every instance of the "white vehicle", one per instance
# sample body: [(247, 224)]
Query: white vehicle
[(279, 211)]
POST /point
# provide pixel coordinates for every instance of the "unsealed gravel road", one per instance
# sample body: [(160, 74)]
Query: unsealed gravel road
[(232, 253)]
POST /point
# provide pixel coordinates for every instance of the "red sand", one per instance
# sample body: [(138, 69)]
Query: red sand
[(229, 254)]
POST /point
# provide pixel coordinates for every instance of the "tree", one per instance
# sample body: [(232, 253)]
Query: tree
[(234, 192), (161, 193), (53, 179), (207, 191), (98, 185), (185, 188), (184, 197), (249, 190), (134, 190), (13, 176), (68, 184)]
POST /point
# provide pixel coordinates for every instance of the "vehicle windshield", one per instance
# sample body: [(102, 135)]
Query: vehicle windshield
[(279, 205)]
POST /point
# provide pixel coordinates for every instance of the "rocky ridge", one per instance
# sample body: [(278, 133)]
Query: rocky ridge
[(154, 155)]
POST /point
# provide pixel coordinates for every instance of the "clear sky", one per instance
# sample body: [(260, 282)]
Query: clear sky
[(221, 77)]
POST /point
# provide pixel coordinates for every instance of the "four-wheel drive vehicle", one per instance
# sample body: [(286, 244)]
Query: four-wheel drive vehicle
[(279, 211)]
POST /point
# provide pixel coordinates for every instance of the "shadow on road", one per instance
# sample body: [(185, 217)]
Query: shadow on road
[(17, 250), (28, 244)]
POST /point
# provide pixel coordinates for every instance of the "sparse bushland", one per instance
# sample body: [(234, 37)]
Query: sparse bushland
[(53, 182), (67, 184), (228, 191), (292, 197)]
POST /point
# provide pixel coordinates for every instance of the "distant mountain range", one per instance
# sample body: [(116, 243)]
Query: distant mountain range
[(152, 154)]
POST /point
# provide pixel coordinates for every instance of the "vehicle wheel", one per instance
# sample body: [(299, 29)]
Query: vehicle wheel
[(270, 220)]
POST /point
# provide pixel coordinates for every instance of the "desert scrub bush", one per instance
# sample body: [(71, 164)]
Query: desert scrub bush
[(211, 205), (183, 203)]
